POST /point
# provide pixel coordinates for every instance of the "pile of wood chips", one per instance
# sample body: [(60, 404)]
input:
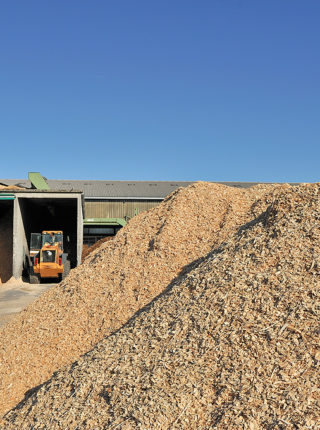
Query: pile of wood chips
[(10, 187), (118, 279), (86, 249), (232, 343)]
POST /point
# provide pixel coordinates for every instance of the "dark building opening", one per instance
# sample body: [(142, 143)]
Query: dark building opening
[(6, 239), (39, 214), (93, 233)]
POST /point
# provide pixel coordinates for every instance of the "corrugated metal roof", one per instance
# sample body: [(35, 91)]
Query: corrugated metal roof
[(118, 189), (122, 189)]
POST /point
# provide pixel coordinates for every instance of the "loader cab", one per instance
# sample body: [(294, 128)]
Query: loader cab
[(35, 242), (51, 238), (38, 240)]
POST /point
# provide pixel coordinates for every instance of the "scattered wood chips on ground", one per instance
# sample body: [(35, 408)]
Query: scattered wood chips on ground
[(233, 342)]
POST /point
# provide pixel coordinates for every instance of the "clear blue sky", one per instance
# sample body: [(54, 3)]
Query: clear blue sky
[(218, 90)]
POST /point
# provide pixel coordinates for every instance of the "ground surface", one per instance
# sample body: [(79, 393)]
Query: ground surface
[(15, 296)]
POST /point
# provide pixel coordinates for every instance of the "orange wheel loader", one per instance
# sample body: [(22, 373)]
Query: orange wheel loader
[(47, 257)]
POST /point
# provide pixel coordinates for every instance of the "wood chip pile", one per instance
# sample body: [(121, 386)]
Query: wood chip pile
[(10, 187), (117, 280), (86, 250), (231, 344)]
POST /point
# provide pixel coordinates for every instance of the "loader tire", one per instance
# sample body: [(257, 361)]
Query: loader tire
[(34, 279), (66, 269)]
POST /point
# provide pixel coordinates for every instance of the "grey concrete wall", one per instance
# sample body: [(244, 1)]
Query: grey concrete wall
[(20, 245), (79, 231)]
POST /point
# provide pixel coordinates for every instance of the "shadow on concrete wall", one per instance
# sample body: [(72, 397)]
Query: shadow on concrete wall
[(6, 240)]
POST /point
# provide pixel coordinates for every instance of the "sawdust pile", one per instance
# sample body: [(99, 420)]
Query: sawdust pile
[(118, 279), (10, 187), (233, 344), (86, 249)]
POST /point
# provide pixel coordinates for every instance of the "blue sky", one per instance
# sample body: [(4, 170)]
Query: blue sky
[(217, 90)]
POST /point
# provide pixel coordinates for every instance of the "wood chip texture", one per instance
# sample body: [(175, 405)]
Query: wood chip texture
[(231, 344), (86, 250), (121, 277), (10, 187), (116, 280)]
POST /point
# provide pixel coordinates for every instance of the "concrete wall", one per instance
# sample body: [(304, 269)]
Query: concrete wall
[(20, 244), (79, 231)]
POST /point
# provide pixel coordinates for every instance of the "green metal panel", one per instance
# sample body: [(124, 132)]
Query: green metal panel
[(7, 196), (105, 221), (38, 181)]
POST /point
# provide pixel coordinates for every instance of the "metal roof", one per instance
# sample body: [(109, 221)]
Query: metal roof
[(121, 189), (118, 189)]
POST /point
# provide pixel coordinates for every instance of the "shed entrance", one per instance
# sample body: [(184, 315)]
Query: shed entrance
[(39, 214), (6, 239)]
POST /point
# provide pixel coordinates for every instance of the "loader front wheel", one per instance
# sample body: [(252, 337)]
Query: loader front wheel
[(66, 269), (34, 279)]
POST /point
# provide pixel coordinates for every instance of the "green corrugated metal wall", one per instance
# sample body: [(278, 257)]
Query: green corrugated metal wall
[(116, 209)]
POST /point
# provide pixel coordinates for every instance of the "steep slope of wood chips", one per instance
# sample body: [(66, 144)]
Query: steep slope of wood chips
[(232, 344), (118, 279)]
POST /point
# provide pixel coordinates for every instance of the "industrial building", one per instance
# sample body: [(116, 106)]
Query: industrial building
[(27, 210), (85, 210)]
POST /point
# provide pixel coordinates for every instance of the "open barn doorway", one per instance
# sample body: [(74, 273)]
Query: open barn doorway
[(6, 239)]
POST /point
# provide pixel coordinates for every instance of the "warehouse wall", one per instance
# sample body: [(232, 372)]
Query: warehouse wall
[(117, 208)]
